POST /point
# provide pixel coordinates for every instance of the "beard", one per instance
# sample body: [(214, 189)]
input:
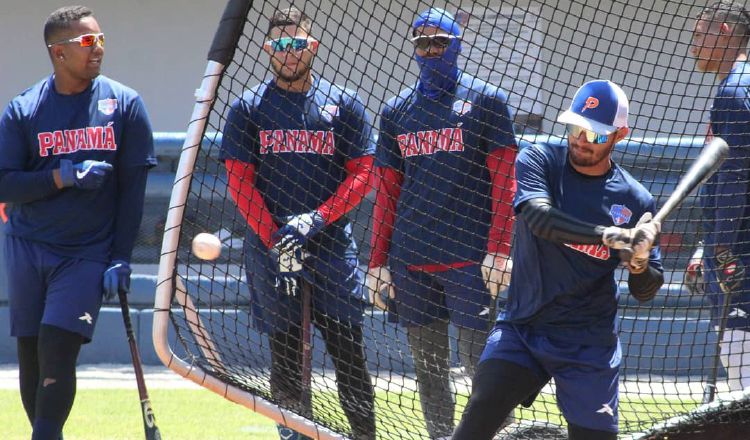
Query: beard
[(288, 75), (581, 159)]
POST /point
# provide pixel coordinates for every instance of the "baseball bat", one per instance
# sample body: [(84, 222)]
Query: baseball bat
[(704, 166), (149, 422), (709, 392), (306, 291)]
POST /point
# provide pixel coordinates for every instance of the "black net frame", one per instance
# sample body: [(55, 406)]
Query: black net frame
[(539, 53)]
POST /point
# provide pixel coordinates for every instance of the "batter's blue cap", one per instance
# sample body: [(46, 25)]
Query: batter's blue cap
[(439, 18), (600, 106)]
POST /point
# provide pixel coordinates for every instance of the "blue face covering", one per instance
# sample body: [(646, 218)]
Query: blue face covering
[(439, 75)]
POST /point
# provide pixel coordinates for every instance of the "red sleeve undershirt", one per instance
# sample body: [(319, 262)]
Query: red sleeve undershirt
[(353, 189), (252, 206), (249, 200), (388, 189), (501, 164)]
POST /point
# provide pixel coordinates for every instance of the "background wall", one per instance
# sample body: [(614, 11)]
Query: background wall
[(157, 47), (531, 48)]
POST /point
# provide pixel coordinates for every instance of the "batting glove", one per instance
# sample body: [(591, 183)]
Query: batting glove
[(694, 281), (496, 269), (299, 229), (635, 243), (730, 271), (380, 286), (639, 239), (89, 174), (116, 279), (290, 268), (643, 238)]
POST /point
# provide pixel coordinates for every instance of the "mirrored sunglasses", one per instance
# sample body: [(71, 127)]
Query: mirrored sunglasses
[(591, 136), (85, 40), (424, 42), (294, 43)]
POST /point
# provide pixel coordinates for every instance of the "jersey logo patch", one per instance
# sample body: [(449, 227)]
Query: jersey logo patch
[(461, 107), (107, 106), (328, 112), (598, 251), (620, 214)]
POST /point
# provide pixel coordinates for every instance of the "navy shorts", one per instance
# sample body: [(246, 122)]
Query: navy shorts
[(586, 376), (337, 289), (456, 294), (47, 288)]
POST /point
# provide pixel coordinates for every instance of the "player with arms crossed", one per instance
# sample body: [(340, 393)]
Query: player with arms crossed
[(719, 45), (299, 154), (576, 208), (442, 216), (75, 150)]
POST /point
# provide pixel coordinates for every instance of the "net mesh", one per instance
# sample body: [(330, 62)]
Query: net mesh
[(539, 53)]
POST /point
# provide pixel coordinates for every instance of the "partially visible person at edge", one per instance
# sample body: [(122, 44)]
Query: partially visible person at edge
[(718, 268)]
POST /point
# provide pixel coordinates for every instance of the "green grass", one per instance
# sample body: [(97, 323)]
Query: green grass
[(187, 414), (184, 414)]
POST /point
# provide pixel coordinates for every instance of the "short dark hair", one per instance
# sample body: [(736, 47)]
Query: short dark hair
[(730, 12), (62, 18), (289, 17)]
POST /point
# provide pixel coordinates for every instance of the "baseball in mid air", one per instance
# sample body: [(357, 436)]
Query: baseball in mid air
[(206, 246)]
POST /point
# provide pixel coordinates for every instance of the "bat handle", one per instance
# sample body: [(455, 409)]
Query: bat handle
[(305, 289)]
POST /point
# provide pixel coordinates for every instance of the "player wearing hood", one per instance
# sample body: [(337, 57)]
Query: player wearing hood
[(442, 217)]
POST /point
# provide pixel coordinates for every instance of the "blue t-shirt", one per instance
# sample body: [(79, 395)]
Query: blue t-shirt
[(299, 144), (569, 290), (106, 122), (724, 197), (441, 147)]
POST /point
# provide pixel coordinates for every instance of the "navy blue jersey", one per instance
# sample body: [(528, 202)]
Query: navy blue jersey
[(299, 144), (106, 122), (441, 147), (569, 290), (724, 197)]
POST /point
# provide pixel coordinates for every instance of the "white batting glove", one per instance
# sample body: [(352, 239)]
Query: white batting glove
[(635, 243), (615, 237), (644, 236), (378, 280), (496, 269)]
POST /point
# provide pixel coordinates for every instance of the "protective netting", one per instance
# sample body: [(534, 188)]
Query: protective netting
[(539, 53)]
